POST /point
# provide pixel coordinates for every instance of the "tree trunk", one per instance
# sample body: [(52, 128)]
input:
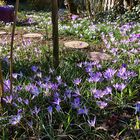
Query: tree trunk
[(12, 45), (72, 7), (105, 5), (89, 8), (1, 86), (55, 33)]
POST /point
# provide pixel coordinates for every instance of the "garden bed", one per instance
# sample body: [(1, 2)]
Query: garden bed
[(82, 99)]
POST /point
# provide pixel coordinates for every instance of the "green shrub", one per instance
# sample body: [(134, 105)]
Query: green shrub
[(40, 4)]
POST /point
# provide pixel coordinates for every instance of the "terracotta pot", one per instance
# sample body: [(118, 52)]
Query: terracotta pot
[(6, 13)]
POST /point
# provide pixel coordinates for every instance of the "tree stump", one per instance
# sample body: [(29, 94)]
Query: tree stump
[(33, 36), (2, 37), (98, 56), (76, 45), (2, 33)]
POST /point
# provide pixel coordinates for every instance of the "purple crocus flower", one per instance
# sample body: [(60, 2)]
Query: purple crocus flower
[(114, 51), (57, 101), (8, 99), (6, 60), (47, 79), (38, 74), (59, 79), (28, 87), (80, 65), (36, 110), (39, 83), (19, 100), (91, 123), (15, 75), (76, 103), (109, 73), (83, 111), (119, 87), (7, 85), (50, 109), (98, 66), (20, 111), (89, 69), (34, 90), (74, 17), (30, 124), (131, 74), (51, 71), (56, 95), (30, 20), (137, 107), (58, 108), (68, 93), (18, 88), (116, 86), (90, 80), (34, 68), (54, 86), (101, 104), (95, 77), (108, 90), (122, 73), (15, 119), (77, 81), (26, 101), (76, 93), (97, 93)]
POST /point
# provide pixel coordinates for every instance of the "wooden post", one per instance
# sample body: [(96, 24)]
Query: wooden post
[(11, 49), (55, 33)]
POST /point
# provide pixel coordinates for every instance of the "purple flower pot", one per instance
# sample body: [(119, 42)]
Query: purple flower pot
[(6, 13)]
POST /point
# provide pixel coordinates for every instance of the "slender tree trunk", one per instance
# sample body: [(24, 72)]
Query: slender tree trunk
[(72, 7), (1, 86), (101, 5), (105, 5), (108, 5), (89, 8), (121, 6), (112, 4), (55, 33), (12, 44)]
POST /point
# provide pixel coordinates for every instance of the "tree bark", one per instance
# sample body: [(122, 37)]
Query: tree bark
[(1, 86), (11, 45), (55, 33), (72, 7)]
